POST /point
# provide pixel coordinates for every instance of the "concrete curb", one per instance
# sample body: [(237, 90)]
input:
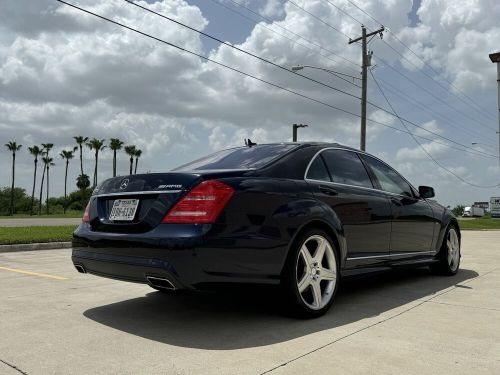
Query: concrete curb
[(34, 246)]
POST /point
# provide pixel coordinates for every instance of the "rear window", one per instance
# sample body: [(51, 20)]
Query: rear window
[(239, 158)]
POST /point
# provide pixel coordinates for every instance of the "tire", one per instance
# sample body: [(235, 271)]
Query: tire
[(449, 256), (310, 279)]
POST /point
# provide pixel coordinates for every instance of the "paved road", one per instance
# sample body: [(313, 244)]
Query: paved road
[(56, 321), (30, 222)]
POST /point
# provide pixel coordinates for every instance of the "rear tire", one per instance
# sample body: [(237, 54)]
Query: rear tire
[(449, 255), (311, 274)]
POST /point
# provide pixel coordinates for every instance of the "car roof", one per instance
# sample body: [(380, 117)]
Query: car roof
[(308, 144)]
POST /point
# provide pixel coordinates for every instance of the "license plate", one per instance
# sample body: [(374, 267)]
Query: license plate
[(124, 209)]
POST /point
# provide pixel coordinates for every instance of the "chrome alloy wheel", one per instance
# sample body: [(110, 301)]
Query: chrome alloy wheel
[(453, 246), (316, 272)]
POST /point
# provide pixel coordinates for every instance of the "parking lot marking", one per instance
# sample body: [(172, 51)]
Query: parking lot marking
[(33, 273)]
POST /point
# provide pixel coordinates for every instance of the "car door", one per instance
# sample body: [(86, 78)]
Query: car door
[(413, 222), (339, 179)]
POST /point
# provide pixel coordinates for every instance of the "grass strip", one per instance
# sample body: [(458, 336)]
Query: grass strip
[(69, 214), (24, 235), (479, 223)]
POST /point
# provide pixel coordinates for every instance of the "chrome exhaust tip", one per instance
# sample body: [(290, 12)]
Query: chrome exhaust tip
[(80, 268), (160, 282)]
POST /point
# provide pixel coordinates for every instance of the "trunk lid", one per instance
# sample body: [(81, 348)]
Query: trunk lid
[(154, 194)]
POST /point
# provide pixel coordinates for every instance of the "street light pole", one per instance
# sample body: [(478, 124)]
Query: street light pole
[(295, 127), (495, 58)]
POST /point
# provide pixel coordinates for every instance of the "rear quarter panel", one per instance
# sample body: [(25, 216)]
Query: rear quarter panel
[(258, 225)]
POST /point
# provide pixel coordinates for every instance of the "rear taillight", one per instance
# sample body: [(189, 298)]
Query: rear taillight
[(203, 204), (86, 214)]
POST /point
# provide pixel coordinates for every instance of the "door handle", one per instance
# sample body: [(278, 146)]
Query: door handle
[(328, 190), (397, 202)]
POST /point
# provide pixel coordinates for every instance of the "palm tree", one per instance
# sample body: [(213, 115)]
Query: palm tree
[(13, 147), (96, 145), (130, 151), (45, 152), (82, 182), (35, 151), (80, 140), (137, 155), (115, 144), (66, 155), (48, 163)]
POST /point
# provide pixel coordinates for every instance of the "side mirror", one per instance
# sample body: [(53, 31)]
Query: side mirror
[(426, 192)]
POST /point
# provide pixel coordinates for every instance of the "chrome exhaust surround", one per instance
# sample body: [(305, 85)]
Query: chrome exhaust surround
[(160, 282)]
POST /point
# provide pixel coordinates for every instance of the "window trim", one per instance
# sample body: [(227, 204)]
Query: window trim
[(322, 159), (368, 171), (412, 188), (368, 174)]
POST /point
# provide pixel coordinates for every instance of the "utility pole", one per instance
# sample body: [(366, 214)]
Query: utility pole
[(495, 58), (295, 127), (366, 62)]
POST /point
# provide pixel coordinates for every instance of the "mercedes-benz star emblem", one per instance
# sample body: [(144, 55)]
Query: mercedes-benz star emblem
[(124, 184)]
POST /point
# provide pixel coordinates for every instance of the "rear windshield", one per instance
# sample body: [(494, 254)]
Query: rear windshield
[(239, 158)]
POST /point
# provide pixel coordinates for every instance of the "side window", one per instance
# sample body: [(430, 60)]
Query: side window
[(317, 170), (346, 168), (388, 178)]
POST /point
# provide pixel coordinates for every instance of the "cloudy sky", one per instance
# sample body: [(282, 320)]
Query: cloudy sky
[(65, 73)]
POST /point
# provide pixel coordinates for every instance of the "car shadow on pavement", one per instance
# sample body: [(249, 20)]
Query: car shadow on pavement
[(250, 317)]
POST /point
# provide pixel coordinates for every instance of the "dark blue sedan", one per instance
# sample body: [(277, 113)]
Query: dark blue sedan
[(301, 216)]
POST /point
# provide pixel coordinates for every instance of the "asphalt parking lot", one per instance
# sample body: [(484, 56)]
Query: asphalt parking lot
[(56, 321)]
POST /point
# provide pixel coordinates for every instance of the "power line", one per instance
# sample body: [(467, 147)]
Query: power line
[(318, 18), (483, 110), (386, 64), (422, 147), (429, 76), (366, 13), (404, 96), (214, 61), (344, 12), (286, 69), (478, 108), (247, 53), (345, 59), (270, 20), (252, 76), (406, 77)]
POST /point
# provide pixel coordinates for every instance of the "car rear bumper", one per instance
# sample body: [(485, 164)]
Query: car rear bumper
[(182, 256)]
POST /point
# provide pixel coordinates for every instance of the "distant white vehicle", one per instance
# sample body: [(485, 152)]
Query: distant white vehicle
[(473, 212), (495, 207)]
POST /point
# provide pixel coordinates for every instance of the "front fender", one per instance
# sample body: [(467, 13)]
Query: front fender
[(447, 219)]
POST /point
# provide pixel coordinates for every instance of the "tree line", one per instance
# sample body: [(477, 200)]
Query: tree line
[(43, 153)]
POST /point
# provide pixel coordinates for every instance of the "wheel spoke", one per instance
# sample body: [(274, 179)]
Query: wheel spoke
[(316, 289), (320, 251), (449, 244), (450, 256), (326, 274), (306, 256), (304, 283)]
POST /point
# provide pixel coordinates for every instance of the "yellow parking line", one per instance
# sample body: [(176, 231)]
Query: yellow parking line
[(33, 273)]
